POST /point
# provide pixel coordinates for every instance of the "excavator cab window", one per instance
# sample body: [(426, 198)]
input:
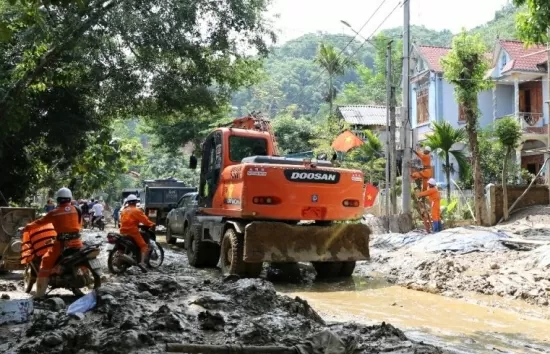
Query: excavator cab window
[(244, 146), (211, 165)]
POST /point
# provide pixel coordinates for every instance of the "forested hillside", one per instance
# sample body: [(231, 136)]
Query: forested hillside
[(291, 77)]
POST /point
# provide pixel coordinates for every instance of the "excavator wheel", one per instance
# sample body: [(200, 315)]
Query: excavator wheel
[(231, 257), (327, 270), (200, 254)]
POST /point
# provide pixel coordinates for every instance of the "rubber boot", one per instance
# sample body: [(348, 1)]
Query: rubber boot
[(41, 287), (142, 264)]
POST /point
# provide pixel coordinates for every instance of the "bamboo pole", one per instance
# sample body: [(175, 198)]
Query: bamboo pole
[(526, 190)]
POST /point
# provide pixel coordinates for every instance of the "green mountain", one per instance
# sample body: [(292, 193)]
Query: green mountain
[(292, 78)]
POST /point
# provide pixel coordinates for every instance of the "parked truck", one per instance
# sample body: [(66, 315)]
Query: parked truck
[(161, 195)]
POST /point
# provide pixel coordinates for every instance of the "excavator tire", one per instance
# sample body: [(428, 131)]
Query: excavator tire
[(347, 269), (327, 270), (200, 254), (231, 257)]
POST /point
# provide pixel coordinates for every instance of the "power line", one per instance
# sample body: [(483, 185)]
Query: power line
[(341, 51)]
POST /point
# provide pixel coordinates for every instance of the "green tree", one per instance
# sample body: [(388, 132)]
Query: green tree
[(533, 23), (508, 132), (293, 135), (443, 142), (335, 65), (369, 158), (465, 67), (68, 72)]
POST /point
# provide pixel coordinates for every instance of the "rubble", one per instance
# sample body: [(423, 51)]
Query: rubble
[(462, 260), (140, 313)]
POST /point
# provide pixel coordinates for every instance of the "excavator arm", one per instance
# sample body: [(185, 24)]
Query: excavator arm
[(253, 122)]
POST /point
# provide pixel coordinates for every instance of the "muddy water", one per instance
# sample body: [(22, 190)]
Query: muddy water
[(457, 325)]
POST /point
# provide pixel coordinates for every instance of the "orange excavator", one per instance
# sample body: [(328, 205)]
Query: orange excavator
[(255, 206)]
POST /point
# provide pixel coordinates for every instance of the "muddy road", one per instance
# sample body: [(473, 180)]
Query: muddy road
[(140, 313)]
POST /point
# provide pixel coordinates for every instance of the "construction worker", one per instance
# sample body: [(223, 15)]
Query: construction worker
[(433, 195), (66, 220), (425, 173), (130, 218)]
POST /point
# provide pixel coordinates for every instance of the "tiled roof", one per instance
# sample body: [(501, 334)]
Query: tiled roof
[(366, 114), (432, 55), (522, 58)]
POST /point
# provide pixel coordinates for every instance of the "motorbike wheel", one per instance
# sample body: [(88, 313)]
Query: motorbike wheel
[(155, 263), (102, 226), (29, 278), (111, 262), (97, 281)]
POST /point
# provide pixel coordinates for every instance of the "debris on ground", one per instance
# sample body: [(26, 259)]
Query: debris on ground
[(471, 259), (140, 313)]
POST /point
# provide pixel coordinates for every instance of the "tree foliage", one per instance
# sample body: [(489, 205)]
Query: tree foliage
[(444, 142), (369, 158), (534, 21), (293, 135), (465, 67), (67, 70), (508, 133)]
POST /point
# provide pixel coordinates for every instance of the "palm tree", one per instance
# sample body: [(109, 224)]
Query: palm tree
[(441, 142), (369, 157), (334, 64)]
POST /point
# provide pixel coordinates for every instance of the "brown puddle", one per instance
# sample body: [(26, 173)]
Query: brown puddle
[(454, 324)]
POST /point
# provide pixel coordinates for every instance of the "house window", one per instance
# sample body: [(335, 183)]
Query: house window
[(461, 113), (422, 107), (503, 61)]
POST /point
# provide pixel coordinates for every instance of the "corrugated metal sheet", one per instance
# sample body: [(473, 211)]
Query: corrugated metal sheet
[(366, 115)]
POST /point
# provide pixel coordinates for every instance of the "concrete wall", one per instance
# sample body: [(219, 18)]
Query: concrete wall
[(485, 104), (537, 195), (505, 100)]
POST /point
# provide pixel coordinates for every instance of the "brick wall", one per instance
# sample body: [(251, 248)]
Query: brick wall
[(537, 195)]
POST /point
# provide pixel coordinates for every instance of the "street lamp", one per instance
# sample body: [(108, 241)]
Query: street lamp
[(345, 23)]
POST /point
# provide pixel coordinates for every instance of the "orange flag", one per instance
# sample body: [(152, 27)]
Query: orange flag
[(370, 195), (346, 141)]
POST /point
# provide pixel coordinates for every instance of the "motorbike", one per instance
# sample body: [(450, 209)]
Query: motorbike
[(124, 253), (86, 221), (98, 222), (76, 269)]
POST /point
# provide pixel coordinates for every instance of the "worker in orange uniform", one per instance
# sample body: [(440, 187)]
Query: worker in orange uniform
[(433, 195), (130, 218), (426, 172), (66, 220)]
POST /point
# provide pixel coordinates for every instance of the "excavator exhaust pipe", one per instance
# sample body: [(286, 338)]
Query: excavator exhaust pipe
[(279, 242)]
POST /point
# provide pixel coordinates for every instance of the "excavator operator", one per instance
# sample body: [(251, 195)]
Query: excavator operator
[(435, 200), (130, 218), (425, 173), (66, 220)]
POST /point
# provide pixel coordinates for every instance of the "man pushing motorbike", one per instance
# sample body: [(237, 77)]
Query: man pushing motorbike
[(66, 220), (130, 218)]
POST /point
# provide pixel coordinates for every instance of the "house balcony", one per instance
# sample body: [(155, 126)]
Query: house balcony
[(530, 122)]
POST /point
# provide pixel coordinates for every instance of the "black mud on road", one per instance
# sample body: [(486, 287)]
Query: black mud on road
[(140, 313)]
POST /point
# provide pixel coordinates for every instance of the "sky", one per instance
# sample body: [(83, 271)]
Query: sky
[(298, 17)]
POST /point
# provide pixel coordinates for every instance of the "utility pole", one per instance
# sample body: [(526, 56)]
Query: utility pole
[(406, 188), (393, 161), (548, 88), (388, 130)]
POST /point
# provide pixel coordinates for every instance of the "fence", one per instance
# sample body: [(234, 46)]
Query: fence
[(463, 198)]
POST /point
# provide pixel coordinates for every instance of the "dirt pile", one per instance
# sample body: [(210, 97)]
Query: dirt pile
[(137, 315), (463, 260), (140, 313)]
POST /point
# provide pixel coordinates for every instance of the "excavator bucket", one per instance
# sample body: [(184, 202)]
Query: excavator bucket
[(279, 242)]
